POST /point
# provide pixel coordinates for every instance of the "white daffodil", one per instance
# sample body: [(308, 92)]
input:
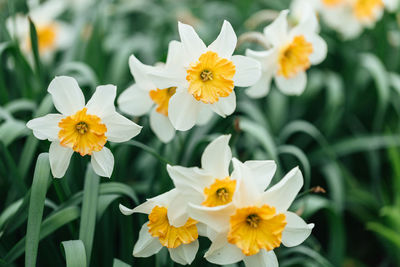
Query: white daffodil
[(256, 223), (355, 15), (162, 231), (144, 96), (205, 77), (52, 34), (294, 50), (212, 185), (82, 128)]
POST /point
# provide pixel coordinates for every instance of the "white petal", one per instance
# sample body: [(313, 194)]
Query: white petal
[(204, 115), (216, 218), (177, 212), (140, 72), (283, 193), (261, 88), (67, 96), (65, 35), (247, 193), (46, 127), (146, 244), (119, 128), (185, 253), (262, 172), (125, 210), (164, 78), (296, 230), (226, 41), (320, 48), (248, 71), (221, 252), (48, 11), (160, 200), (102, 102), (59, 158), (306, 16), (190, 181), (135, 101), (183, 110), (192, 44), (262, 258), (276, 32), (292, 86), (161, 126), (217, 156), (175, 56), (225, 106), (267, 58), (103, 162)]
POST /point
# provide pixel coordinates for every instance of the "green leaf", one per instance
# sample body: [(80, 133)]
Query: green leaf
[(302, 158), (262, 135), (75, 254), (32, 142), (11, 130), (41, 179), (35, 47), (89, 208), (119, 263), (385, 232), (9, 212), (49, 225)]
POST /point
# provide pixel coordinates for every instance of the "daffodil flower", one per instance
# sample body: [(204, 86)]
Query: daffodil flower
[(212, 185), (205, 77), (256, 223), (82, 128), (355, 15), (144, 97), (161, 230), (52, 34), (293, 51)]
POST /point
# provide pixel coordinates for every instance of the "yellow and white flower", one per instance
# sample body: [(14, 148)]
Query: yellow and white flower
[(355, 15), (205, 77), (144, 96), (82, 128), (294, 50), (212, 185), (161, 230), (256, 223), (52, 33)]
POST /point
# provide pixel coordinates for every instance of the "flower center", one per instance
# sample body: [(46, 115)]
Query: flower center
[(206, 75), (170, 236), (82, 132), (219, 193), (254, 228), (253, 220), (211, 77), (161, 97), (82, 127), (46, 35), (366, 9), (295, 57)]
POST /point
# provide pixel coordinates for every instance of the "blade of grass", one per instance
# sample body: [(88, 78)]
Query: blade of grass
[(36, 205), (119, 263), (49, 225), (75, 254), (89, 207)]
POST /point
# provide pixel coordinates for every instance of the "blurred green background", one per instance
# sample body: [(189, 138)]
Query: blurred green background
[(343, 132)]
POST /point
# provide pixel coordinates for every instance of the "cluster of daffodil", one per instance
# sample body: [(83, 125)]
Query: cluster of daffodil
[(242, 220), (349, 17)]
